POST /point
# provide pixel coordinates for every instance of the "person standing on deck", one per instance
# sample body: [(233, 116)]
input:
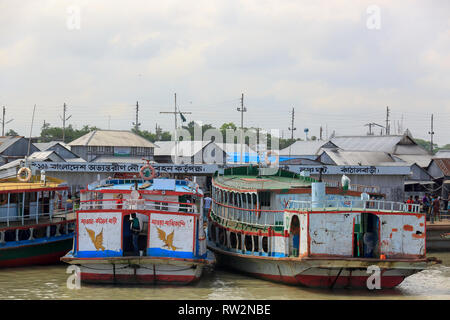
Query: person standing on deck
[(410, 201), (119, 201), (206, 206), (425, 203), (135, 227)]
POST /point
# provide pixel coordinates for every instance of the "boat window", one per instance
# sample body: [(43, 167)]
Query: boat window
[(248, 243), (233, 240), (264, 199), (10, 235), (255, 244), (24, 234), (265, 244), (40, 232), (222, 237), (239, 241)]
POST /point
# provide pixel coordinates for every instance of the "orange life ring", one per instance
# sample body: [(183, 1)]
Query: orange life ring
[(27, 174), (143, 176)]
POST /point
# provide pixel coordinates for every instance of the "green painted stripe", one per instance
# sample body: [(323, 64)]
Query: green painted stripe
[(36, 250)]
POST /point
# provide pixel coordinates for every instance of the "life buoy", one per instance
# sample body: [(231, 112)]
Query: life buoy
[(269, 153), (143, 176), (27, 174)]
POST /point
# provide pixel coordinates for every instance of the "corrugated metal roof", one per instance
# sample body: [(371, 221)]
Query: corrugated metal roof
[(44, 146), (112, 138), (442, 154), (368, 143), (444, 165), (6, 142), (309, 147), (185, 148), (422, 160), (362, 158)]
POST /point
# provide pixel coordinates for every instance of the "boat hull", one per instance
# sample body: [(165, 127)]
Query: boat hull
[(41, 253), (318, 273), (147, 274)]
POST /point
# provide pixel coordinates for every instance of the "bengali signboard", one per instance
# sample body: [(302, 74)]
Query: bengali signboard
[(171, 234), (99, 234), (121, 167), (212, 168)]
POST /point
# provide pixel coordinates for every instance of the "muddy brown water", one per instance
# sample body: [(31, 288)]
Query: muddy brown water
[(50, 282)]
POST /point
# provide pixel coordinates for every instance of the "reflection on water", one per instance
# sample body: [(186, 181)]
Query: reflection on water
[(49, 282)]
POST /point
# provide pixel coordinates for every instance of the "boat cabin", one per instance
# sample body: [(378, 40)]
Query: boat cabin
[(169, 217)]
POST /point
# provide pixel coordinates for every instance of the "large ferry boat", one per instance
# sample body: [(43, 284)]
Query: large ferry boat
[(293, 229), (36, 222), (171, 241)]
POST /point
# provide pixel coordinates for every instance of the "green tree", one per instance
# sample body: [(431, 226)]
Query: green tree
[(11, 132)]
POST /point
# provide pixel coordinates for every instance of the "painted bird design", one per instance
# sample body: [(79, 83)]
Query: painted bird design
[(96, 240), (168, 241)]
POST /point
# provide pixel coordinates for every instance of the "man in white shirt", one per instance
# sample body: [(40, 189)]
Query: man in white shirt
[(206, 206)]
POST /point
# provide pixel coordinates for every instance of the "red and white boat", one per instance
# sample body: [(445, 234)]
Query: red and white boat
[(293, 229), (172, 242)]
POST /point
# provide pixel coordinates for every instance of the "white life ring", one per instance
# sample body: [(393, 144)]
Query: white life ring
[(269, 153), (27, 174), (152, 175)]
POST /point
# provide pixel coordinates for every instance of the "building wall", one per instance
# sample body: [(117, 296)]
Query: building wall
[(392, 186)]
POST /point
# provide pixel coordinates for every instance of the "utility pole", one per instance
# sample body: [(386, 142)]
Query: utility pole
[(388, 130), (370, 125), (321, 133), (292, 125), (64, 119), (137, 124), (431, 133), (242, 109), (3, 121)]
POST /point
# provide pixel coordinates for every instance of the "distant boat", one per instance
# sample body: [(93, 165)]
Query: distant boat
[(36, 226), (172, 240), (293, 229)]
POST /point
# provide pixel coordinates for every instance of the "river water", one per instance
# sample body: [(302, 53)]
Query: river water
[(50, 282)]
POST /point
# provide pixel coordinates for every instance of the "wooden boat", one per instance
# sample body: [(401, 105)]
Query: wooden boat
[(172, 241), (293, 229), (36, 226)]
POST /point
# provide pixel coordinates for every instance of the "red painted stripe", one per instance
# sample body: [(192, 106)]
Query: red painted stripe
[(312, 281), (50, 258), (144, 279), (344, 210)]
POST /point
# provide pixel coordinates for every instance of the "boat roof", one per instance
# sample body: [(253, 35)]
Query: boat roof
[(12, 185), (126, 185), (248, 178)]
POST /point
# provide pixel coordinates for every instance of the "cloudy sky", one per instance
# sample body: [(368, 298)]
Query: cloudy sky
[(338, 63)]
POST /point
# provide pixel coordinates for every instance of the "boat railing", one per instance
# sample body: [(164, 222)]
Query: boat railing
[(34, 214), (372, 205), (45, 230), (137, 204), (251, 216)]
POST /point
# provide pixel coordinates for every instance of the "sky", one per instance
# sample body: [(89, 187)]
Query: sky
[(338, 63)]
